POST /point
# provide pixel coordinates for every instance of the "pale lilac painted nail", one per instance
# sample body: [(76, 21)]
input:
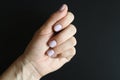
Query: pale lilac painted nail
[(62, 7), (57, 28), (52, 43), (50, 53)]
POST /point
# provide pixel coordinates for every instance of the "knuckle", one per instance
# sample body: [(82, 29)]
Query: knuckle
[(71, 15), (73, 28), (73, 51), (74, 41)]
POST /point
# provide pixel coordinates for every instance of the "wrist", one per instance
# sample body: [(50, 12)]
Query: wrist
[(21, 69), (27, 69)]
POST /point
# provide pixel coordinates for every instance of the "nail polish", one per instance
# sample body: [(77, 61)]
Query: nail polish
[(62, 7), (50, 53), (57, 28), (52, 43)]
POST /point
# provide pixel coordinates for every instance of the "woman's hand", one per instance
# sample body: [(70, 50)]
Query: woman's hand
[(50, 48), (53, 44)]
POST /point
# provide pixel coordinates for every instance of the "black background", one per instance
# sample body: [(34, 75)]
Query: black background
[(98, 26)]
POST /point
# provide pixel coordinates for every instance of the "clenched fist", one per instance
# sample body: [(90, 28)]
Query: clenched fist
[(50, 48), (53, 44)]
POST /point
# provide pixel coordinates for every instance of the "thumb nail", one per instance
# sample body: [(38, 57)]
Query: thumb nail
[(62, 7)]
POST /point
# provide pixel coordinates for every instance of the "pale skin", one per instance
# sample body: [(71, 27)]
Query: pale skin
[(36, 62)]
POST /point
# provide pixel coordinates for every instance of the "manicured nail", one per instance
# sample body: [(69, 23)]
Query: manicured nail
[(57, 28), (50, 53), (52, 43), (62, 7)]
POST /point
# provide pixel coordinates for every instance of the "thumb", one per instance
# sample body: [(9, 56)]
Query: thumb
[(47, 27), (43, 34)]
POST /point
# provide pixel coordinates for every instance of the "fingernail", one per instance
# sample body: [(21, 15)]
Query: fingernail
[(52, 43), (62, 7), (57, 28), (50, 53)]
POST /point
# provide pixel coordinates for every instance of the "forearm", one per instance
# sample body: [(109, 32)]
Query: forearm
[(21, 69)]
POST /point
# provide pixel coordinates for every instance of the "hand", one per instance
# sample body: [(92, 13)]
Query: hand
[(53, 44)]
